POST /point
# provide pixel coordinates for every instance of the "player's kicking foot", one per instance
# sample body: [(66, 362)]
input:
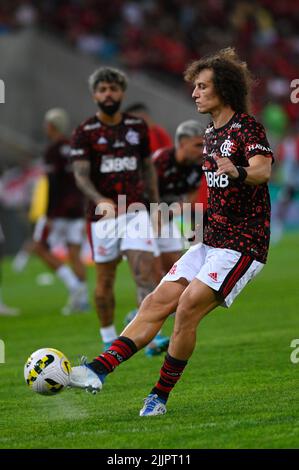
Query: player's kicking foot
[(84, 377), (153, 406)]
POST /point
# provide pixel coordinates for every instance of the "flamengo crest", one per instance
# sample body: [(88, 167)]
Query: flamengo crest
[(226, 148)]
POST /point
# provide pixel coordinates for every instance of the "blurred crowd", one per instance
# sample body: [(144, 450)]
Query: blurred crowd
[(162, 36)]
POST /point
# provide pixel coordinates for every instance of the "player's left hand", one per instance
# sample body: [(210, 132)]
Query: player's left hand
[(226, 166)]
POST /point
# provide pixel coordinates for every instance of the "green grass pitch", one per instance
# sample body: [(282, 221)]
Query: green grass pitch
[(240, 389)]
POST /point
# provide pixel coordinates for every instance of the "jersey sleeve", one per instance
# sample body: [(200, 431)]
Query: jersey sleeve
[(256, 142), (80, 149)]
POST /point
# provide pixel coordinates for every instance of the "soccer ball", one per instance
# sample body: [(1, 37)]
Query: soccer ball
[(47, 371)]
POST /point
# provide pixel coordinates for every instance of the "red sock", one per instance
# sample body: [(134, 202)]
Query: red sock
[(170, 373), (120, 350)]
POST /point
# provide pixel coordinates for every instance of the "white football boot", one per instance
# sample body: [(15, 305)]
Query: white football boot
[(83, 377), (153, 406)]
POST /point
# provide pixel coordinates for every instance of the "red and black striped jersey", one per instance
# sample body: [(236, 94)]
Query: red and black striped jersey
[(238, 213), (116, 154)]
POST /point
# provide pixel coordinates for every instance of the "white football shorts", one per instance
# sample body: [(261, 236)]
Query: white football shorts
[(60, 231), (226, 271), (109, 238)]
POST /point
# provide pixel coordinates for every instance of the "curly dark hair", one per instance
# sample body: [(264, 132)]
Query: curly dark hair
[(232, 79), (109, 75)]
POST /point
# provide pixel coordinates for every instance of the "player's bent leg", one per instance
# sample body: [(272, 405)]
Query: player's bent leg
[(160, 343), (196, 301), (65, 274), (76, 261), (40, 249), (154, 310)]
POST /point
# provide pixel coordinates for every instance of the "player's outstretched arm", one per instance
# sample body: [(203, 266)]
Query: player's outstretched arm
[(82, 172)]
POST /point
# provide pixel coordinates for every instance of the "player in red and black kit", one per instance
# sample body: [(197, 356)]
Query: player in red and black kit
[(64, 220), (237, 163), (112, 158)]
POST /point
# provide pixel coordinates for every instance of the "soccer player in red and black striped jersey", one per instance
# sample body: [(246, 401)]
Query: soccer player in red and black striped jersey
[(64, 220), (237, 163), (112, 158)]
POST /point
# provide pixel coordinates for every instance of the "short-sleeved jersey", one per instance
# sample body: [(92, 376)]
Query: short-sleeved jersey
[(238, 213), (116, 155), (64, 198), (175, 180)]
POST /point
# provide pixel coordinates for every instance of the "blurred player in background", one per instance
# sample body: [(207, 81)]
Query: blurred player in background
[(288, 158), (112, 157), (64, 221), (158, 136), (237, 163), (37, 209), (179, 171)]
